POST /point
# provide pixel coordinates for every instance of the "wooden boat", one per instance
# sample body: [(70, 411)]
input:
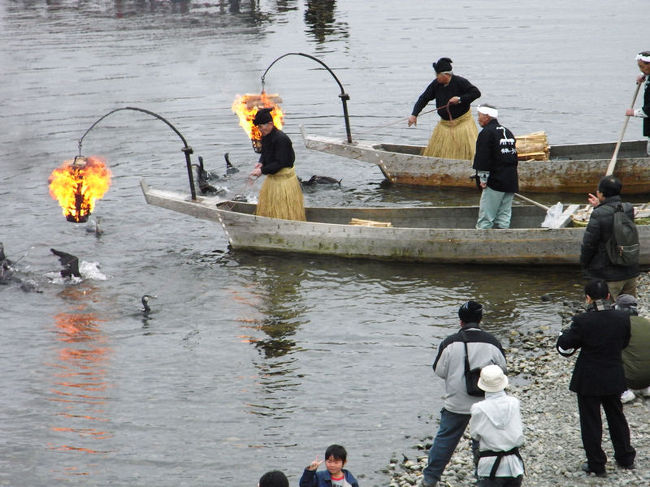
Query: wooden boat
[(442, 235), (571, 168)]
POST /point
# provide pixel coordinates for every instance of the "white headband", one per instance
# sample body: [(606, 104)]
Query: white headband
[(492, 112), (643, 56)]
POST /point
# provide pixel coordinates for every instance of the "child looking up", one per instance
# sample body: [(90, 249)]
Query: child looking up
[(334, 476)]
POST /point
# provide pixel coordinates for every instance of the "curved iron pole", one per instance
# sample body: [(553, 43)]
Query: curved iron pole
[(187, 150), (343, 95)]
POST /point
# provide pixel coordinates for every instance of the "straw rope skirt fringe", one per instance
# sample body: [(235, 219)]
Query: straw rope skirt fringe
[(281, 196), (454, 139)]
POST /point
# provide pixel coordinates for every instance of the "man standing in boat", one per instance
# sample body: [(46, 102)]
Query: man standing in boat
[(455, 135), (496, 167), (281, 195), (643, 60)]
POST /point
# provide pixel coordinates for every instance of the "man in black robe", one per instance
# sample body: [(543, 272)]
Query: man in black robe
[(643, 60), (496, 166), (598, 376)]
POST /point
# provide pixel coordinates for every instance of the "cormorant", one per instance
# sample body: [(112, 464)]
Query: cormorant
[(146, 309), (70, 263)]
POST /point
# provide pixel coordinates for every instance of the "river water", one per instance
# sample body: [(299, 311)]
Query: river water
[(253, 362)]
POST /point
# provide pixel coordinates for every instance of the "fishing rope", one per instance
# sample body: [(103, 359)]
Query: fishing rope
[(402, 119)]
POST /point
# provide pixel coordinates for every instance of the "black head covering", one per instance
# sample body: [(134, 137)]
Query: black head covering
[(443, 64), (610, 186), (471, 312), (263, 116)]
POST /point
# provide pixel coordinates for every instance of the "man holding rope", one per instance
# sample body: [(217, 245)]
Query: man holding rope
[(643, 60), (455, 135)]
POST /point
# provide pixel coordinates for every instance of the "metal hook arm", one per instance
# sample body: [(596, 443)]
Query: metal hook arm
[(343, 95), (187, 150)]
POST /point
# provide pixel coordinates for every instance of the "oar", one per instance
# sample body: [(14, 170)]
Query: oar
[(612, 163), (533, 202), (556, 222)]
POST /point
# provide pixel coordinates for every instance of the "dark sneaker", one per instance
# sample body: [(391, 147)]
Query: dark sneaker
[(587, 470), (626, 467)]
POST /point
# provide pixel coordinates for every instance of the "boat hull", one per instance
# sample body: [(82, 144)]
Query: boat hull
[(572, 168), (441, 235)]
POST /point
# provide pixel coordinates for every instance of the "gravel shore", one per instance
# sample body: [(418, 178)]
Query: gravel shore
[(553, 451)]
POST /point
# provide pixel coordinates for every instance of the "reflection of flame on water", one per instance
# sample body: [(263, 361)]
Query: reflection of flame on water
[(246, 106), (80, 382), (77, 184)]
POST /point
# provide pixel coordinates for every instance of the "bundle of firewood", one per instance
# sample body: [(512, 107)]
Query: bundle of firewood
[(533, 147)]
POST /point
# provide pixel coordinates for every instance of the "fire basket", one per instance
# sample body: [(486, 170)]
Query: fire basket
[(77, 184)]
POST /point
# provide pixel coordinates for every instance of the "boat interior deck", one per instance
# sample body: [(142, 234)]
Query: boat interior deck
[(412, 217), (637, 148)]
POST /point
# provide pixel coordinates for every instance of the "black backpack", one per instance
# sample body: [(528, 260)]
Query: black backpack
[(623, 246)]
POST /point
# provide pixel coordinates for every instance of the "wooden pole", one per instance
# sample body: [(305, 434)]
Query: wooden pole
[(612, 163), (536, 203)]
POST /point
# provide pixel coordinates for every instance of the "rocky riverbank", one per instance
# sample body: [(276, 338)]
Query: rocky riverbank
[(553, 451)]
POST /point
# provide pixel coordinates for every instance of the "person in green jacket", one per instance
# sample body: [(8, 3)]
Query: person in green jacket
[(636, 356)]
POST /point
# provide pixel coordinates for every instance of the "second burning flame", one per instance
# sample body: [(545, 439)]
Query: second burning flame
[(246, 106)]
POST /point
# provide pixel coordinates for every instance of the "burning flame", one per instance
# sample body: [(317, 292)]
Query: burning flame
[(246, 106), (77, 184)]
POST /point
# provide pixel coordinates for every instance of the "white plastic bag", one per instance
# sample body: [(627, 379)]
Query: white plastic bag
[(553, 216)]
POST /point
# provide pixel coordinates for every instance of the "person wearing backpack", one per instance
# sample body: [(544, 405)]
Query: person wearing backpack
[(601, 256)]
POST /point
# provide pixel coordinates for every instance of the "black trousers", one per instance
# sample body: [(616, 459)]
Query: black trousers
[(591, 427)]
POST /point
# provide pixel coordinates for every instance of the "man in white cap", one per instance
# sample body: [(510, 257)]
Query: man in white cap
[(496, 425), (643, 61), (495, 162), (636, 356)]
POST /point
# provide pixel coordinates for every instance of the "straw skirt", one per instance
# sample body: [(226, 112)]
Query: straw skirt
[(454, 139), (281, 196)]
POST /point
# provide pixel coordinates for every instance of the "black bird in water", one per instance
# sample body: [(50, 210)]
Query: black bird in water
[(230, 169), (314, 180), (6, 270), (70, 263), (95, 228), (146, 309), (202, 176)]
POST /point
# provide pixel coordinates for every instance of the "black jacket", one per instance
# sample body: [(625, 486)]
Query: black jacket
[(646, 107), (496, 152), (277, 152), (600, 336), (593, 255), (458, 86)]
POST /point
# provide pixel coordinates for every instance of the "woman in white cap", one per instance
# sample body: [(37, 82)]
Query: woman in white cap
[(643, 60), (496, 425)]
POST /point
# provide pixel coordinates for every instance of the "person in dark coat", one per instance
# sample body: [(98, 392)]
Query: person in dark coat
[(593, 254), (281, 195), (643, 60), (598, 377), (455, 135), (496, 167)]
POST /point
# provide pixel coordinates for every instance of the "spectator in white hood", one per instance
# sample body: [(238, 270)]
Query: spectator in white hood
[(496, 425)]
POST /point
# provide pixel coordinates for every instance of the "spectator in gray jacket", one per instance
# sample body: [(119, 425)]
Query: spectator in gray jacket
[(482, 349)]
